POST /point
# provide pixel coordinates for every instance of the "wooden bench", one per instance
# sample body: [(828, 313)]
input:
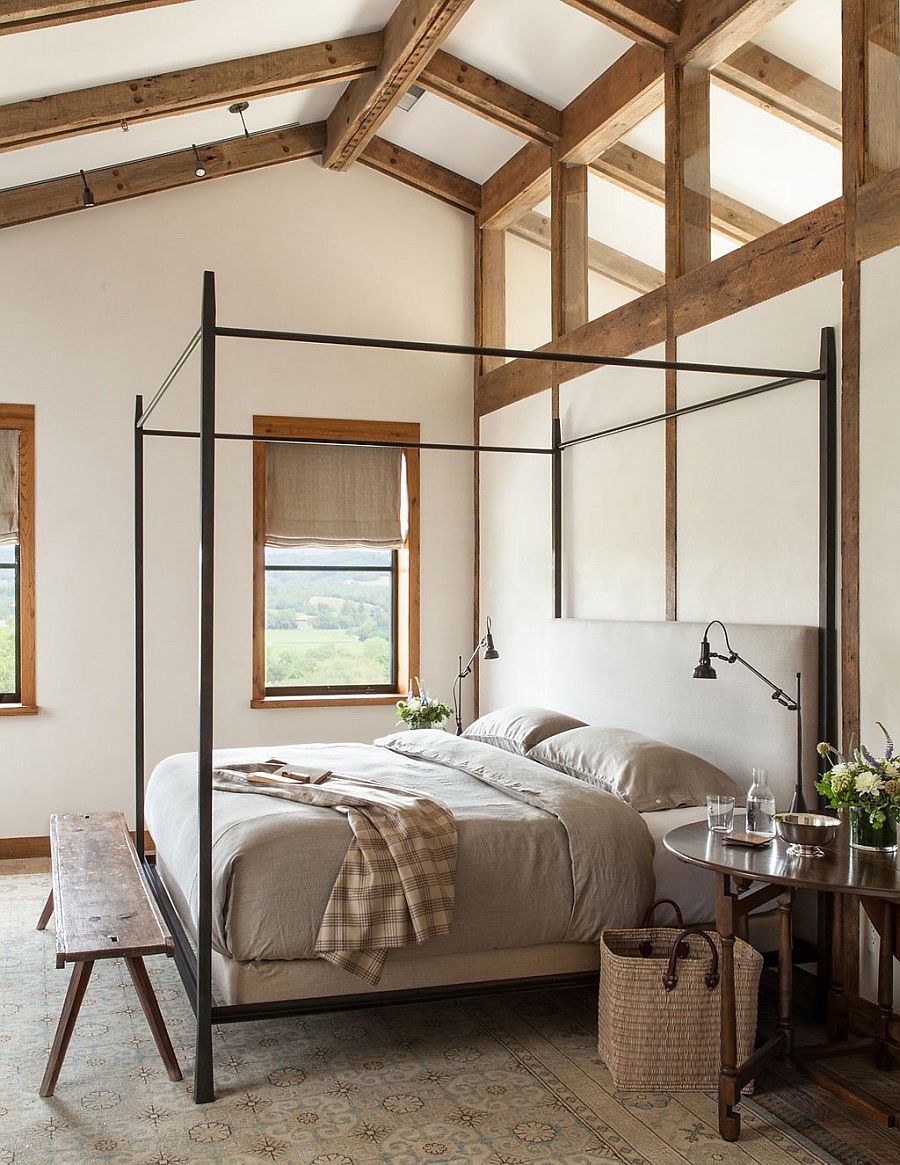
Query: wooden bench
[(103, 911)]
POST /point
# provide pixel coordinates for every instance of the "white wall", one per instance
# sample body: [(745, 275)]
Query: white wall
[(96, 307)]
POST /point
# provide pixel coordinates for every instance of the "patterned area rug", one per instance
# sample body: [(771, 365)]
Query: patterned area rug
[(504, 1080)]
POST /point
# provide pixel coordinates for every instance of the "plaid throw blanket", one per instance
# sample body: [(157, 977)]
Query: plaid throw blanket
[(396, 885)]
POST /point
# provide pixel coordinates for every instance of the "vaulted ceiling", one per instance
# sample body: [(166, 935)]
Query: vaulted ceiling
[(123, 90)]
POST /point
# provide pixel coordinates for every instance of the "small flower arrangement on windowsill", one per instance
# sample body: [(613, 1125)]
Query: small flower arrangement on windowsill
[(869, 788), (422, 711)]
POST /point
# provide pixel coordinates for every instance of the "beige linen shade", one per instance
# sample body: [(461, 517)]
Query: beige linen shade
[(9, 485), (333, 495)]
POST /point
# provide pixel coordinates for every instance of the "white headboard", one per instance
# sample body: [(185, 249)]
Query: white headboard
[(639, 676)]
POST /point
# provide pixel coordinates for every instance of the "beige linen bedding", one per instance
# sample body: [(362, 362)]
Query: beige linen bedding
[(543, 858)]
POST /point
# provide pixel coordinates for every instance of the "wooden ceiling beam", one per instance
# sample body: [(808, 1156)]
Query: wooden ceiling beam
[(641, 174), (781, 88), (630, 88), (411, 38), (46, 119), (25, 15), (712, 30), (422, 174), (602, 259), (651, 22), (39, 200), (495, 100), (798, 253)]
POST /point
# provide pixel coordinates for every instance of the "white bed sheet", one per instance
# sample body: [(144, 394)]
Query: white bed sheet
[(690, 886)]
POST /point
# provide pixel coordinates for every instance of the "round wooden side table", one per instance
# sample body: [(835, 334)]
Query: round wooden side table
[(873, 877)]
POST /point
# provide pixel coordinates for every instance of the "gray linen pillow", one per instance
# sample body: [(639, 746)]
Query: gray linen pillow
[(519, 727), (647, 774)]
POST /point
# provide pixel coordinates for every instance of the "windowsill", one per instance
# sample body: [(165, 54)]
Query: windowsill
[(18, 709), (346, 700)]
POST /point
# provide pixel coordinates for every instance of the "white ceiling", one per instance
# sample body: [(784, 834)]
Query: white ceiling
[(545, 47)]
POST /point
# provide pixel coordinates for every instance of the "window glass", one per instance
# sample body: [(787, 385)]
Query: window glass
[(8, 620)]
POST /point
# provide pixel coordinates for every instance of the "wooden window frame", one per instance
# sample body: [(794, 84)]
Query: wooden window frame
[(21, 417), (407, 629)]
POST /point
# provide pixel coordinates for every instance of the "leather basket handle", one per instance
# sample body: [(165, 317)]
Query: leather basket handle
[(645, 947), (670, 979)]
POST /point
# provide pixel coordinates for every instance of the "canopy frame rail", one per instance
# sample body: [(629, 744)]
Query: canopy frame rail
[(194, 957)]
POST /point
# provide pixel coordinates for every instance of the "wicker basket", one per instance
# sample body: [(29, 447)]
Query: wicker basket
[(659, 1017)]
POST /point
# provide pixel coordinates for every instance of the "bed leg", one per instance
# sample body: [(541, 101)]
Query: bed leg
[(204, 1085)]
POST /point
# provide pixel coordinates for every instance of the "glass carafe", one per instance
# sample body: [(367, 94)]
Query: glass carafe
[(761, 805)]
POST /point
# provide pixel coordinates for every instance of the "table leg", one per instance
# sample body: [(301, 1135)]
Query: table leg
[(883, 1057), (81, 973), (837, 1017), (729, 1120), (785, 968)]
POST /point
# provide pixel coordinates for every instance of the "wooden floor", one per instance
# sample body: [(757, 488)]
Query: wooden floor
[(24, 866)]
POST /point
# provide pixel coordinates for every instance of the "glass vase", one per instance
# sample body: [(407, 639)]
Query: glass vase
[(864, 835)]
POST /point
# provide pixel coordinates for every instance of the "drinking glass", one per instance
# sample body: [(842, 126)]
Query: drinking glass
[(720, 813)]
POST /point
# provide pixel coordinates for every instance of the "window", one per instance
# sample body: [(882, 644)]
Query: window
[(17, 672), (336, 570)]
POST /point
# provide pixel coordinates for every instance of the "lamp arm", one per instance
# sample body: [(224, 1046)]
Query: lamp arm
[(777, 693)]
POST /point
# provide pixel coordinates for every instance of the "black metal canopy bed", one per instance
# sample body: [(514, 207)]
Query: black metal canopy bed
[(534, 927)]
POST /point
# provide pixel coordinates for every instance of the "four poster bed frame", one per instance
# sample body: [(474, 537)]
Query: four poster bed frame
[(195, 965)]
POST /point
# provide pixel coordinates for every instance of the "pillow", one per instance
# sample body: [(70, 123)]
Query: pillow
[(647, 774), (519, 727)]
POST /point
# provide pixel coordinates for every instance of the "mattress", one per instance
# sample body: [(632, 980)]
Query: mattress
[(543, 858)]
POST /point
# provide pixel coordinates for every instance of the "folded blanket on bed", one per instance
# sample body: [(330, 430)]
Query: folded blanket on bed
[(396, 884)]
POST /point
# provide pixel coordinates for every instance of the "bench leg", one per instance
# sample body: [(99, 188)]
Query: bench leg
[(81, 973), (145, 994), (46, 912)]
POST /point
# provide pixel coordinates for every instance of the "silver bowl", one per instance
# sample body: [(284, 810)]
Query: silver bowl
[(806, 833)]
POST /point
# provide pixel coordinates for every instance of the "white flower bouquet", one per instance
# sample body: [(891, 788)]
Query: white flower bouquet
[(863, 782), (423, 710)]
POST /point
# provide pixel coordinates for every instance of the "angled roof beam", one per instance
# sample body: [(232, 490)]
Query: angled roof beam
[(422, 174), (39, 200), (45, 119), (25, 15), (602, 259), (712, 30), (492, 99), (643, 175), (651, 22), (783, 89), (631, 88), (411, 38)]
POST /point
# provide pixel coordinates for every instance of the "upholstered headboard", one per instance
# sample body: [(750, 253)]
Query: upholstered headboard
[(639, 676)]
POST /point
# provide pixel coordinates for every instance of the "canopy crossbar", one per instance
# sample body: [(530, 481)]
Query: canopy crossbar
[(194, 959)]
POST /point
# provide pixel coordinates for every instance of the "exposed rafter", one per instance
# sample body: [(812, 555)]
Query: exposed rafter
[(427, 176), (783, 89), (495, 100), (602, 259), (411, 38), (621, 97), (712, 30), (187, 90), (653, 22), (643, 175), (38, 200), (25, 15)]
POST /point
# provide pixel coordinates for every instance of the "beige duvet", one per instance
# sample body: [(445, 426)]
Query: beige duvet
[(543, 857)]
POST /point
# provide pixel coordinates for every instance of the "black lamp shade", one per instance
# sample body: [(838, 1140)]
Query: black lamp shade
[(491, 652), (704, 669)]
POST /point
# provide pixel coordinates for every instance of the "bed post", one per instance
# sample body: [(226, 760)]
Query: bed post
[(139, 629), (556, 493), (828, 392), (204, 1090)]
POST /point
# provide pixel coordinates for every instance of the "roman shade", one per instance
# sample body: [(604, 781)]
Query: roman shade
[(334, 495), (9, 485)]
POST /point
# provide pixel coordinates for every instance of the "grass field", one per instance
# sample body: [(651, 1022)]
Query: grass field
[(309, 656)]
